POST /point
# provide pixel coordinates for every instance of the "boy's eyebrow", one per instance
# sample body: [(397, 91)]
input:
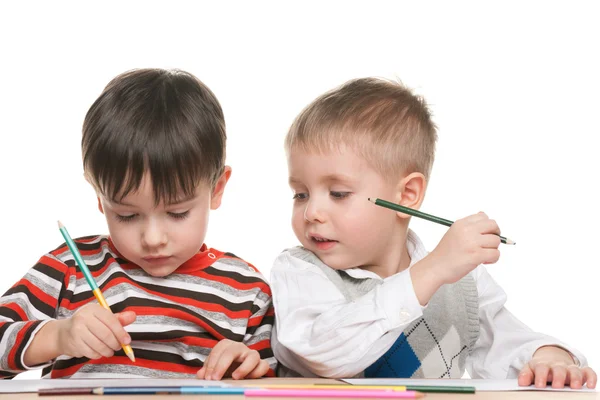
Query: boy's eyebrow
[(182, 200), (327, 178), (121, 203), (337, 178), (173, 203)]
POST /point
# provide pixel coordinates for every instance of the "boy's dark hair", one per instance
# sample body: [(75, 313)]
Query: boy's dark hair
[(164, 122), (381, 120)]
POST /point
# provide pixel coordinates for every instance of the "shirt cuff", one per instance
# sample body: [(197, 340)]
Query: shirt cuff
[(398, 300)]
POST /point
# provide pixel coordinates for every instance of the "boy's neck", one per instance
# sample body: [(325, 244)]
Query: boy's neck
[(396, 259)]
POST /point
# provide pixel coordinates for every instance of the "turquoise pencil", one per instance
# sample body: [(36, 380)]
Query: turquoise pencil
[(168, 390), (90, 279)]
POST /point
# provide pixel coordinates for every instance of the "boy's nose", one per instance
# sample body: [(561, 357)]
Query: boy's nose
[(313, 212), (153, 235)]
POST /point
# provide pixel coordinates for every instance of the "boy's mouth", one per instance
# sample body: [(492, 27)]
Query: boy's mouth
[(157, 260), (323, 243)]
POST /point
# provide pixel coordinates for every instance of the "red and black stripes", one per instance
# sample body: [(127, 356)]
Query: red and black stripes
[(181, 317)]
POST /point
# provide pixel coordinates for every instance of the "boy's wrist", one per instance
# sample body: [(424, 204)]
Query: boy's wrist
[(425, 279), (554, 353), (44, 346)]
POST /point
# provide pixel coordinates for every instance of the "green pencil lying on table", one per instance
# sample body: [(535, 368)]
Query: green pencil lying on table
[(419, 214)]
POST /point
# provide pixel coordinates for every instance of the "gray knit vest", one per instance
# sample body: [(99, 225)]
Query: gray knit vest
[(435, 345)]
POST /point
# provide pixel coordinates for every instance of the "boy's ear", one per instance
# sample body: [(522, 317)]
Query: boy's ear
[(100, 205), (85, 176), (217, 193), (411, 192)]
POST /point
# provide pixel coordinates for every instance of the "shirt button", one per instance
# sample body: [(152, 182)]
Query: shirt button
[(404, 316)]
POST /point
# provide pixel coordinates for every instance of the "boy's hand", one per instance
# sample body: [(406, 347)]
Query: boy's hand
[(551, 364), (93, 332), (469, 242), (235, 359)]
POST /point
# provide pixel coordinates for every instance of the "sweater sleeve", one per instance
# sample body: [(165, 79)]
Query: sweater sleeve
[(25, 308), (260, 326)]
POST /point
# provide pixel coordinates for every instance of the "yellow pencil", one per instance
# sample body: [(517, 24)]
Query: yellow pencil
[(90, 279)]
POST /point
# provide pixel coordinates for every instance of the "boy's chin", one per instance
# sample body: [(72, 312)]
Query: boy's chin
[(159, 272), (334, 261)]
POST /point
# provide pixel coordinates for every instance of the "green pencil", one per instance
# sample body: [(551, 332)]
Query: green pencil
[(419, 214), (441, 389), (90, 280)]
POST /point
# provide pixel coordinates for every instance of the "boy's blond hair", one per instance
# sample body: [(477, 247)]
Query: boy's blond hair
[(381, 120)]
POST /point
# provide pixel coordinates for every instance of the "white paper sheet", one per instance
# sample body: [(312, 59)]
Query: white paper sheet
[(482, 385), (33, 385)]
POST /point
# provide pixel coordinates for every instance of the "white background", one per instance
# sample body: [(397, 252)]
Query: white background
[(514, 88)]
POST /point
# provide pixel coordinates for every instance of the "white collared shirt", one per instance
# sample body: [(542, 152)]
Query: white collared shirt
[(318, 332)]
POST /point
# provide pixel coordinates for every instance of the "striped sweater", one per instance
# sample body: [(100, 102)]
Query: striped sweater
[(180, 317)]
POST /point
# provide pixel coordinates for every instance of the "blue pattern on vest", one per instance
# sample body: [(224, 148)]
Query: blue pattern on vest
[(400, 361)]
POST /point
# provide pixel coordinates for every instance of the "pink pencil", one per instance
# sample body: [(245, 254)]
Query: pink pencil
[(379, 394)]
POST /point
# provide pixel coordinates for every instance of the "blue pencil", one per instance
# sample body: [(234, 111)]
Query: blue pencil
[(168, 390)]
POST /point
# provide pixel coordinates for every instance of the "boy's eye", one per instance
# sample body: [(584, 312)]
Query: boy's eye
[(182, 215), (300, 196), (339, 195), (126, 218)]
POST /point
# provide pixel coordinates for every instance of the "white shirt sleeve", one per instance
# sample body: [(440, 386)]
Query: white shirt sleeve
[(505, 344), (318, 332)]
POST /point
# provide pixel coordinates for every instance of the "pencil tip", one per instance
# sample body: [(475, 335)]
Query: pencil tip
[(131, 356), (372, 200), (60, 225), (511, 242)]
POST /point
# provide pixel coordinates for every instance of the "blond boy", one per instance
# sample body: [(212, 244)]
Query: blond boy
[(362, 297)]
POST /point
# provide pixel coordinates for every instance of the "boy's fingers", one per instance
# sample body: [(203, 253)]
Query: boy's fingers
[(489, 226), (112, 322), (215, 354), (526, 376), (87, 351), (98, 349), (590, 377), (559, 376), (105, 335), (574, 377), (490, 241), (126, 317), (201, 373), (261, 370), (480, 216), (223, 363), (541, 375), (251, 361), (490, 256)]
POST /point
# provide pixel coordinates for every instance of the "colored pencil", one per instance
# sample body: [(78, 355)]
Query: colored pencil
[(329, 386), (333, 393), (169, 390), (63, 391), (90, 279), (418, 388), (419, 214)]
